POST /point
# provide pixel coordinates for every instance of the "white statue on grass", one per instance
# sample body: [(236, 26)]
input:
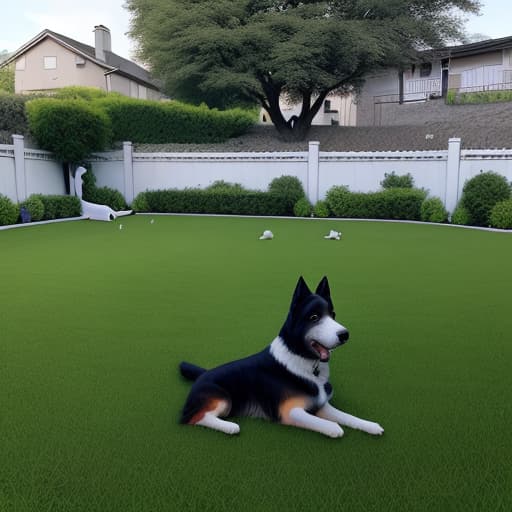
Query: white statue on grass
[(91, 210)]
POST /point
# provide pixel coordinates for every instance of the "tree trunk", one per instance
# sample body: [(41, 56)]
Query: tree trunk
[(297, 127)]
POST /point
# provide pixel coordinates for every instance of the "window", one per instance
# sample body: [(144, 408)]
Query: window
[(327, 105), (50, 62), (426, 69), (20, 64)]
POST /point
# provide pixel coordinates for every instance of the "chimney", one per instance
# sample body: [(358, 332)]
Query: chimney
[(102, 42)]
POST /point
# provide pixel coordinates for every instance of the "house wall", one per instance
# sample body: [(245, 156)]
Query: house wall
[(35, 78), (68, 72), (380, 87), (492, 70)]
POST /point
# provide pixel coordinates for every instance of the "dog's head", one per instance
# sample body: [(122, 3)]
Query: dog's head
[(310, 329)]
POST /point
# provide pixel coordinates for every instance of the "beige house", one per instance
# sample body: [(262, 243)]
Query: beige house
[(51, 61)]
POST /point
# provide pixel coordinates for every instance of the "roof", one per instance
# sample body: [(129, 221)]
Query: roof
[(113, 62)]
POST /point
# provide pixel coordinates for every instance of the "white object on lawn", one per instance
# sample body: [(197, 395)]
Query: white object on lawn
[(95, 211), (333, 235), (267, 235)]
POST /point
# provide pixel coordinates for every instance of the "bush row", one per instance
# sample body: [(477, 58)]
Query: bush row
[(39, 207), (77, 121), (156, 122)]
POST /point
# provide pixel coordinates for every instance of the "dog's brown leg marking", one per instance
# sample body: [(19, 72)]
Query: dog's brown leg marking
[(217, 405), (287, 405)]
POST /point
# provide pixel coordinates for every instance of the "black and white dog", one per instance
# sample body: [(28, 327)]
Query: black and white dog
[(288, 382)]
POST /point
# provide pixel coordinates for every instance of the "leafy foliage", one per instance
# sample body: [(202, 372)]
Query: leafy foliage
[(8, 211), (12, 114), (481, 193), (147, 121), (472, 98), (289, 187), (101, 195), (35, 207), (7, 78), (393, 180), (60, 207), (302, 208), (237, 52), (501, 215), (321, 209), (394, 203), (71, 129), (460, 216), (249, 202), (433, 210)]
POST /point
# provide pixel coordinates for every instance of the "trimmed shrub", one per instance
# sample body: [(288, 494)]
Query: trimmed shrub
[(157, 122), (35, 207), (501, 215), (60, 207), (460, 216), (249, 202), (9, 211), (302, 208), (77, 92), (71, 129), (140, 203), (225, 186), (392, 180), (394, 203), (12, 115), (288, 187), (481, 193), (433, 210), (321, 209)]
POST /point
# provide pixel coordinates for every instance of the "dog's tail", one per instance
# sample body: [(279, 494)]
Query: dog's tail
[(191, 371)]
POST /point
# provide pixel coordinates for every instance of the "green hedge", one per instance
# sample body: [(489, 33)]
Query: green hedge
[(60, 207), (9, 211), (13, 118), (393, 203), (248, 202), (159, 122), (71, 129), (501, 215), (481, 193)]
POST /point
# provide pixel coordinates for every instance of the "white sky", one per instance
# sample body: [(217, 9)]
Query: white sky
[(21, 20)]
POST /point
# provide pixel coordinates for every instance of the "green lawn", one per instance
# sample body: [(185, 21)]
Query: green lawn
[(94, 321)]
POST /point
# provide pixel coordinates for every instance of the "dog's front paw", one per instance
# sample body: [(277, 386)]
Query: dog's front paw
[(373, 428), (334, 431), (231, 428)]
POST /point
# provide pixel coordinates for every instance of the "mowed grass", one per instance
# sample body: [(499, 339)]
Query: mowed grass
[(95, 319)]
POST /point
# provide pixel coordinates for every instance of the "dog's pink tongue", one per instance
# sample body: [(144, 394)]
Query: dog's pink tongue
[(324, 353)]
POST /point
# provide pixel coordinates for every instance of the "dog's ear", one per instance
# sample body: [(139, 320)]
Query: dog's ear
[(324, 291), (301, 292)]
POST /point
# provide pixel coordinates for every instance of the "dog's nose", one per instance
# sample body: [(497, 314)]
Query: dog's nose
[(342, 335)]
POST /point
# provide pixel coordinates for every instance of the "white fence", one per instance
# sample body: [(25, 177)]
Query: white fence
[(28, 171), (442, 173)]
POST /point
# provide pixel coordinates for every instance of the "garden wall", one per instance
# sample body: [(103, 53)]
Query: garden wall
[(28, 171)]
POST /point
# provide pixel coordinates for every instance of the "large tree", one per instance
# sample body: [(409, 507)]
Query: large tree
[(226, 52)]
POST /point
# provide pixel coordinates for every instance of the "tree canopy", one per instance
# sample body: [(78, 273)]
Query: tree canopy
[(225, 52)]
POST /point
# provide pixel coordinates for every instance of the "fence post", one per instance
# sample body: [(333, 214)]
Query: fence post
[(128, 171), (19, 167), (313, 171), (452, 174)]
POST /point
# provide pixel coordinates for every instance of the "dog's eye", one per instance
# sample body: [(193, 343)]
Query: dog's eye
[(314, 317)]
